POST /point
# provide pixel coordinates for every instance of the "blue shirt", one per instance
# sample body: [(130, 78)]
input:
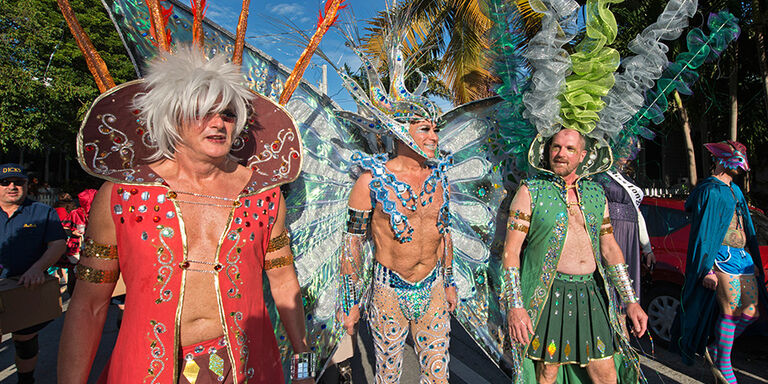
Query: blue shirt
[(25, 235)]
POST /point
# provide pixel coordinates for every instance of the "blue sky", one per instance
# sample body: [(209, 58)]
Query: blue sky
[(266, 32)]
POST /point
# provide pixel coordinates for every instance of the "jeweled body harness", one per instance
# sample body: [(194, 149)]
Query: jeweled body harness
[(383, 181)]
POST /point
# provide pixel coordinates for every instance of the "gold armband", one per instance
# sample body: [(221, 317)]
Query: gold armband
[(606, 220), (278, 262), (99, 251), (518, 214), (278, 242), (97, 276), (518, 227), (606, 231)]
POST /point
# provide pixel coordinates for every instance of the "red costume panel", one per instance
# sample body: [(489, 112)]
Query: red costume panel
[(152, 245)]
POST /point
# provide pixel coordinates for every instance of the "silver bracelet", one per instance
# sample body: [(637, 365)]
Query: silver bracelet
[(619, 277), (513, 294), (303, 366)]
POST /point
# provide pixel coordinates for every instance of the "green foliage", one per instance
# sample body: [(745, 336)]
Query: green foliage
[(45, 87)]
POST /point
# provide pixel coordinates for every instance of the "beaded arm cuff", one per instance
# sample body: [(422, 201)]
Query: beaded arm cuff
[(348, 294), (513, 226), (516, 216), (97, 276), (619, 277), (357, 221), (520, 215), (278, 242), (607, 230), (513, 293), (99, 251), (448, 280), (278, 262)]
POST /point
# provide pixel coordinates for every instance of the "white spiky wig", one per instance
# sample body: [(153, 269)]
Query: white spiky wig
[(185, 86)]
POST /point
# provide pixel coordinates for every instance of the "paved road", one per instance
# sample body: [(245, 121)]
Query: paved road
[(468, 364)]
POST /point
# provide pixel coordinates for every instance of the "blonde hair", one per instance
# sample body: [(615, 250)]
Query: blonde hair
[(185, 86)]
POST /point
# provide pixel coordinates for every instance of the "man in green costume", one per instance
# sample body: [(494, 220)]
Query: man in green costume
[(559, 309)]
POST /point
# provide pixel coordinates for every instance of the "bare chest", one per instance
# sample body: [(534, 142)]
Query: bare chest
[(204, 227)]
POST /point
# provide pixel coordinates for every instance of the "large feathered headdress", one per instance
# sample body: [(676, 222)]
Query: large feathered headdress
[(381, 111)]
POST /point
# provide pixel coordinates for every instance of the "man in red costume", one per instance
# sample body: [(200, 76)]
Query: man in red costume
[(190, 228)]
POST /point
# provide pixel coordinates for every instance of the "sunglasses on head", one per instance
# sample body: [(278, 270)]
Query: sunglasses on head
[(17, 182)]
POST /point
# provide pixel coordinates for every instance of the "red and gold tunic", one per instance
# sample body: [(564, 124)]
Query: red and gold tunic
[(152, 245)]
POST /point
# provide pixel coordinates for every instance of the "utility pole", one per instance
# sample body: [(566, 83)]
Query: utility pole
[(324, 80)]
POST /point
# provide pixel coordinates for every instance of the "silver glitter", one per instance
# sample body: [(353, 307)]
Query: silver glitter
[(142, 208), (160, 199), (126, 195), (170, 214), (118, 209), (145, 195)]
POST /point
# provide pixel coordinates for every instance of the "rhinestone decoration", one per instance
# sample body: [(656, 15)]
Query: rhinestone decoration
[(551, 349)]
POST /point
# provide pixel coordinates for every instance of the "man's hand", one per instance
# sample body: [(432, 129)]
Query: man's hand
[(650, 259), (451, 298), (351, 319), (639, 319), (710, 281), (520, 326), (32, 277)]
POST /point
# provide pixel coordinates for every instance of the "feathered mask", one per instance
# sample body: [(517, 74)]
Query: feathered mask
[(389, 112), (731, 154)]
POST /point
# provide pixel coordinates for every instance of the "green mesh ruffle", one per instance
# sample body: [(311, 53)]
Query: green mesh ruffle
[(594, 64)]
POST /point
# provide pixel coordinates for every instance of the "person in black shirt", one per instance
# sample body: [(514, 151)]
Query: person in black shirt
[(31, 240)]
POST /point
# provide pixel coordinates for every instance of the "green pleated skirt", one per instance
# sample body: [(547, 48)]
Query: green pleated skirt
[(574, 327)]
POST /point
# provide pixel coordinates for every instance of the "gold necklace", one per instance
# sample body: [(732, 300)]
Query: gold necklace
[(173, 195)]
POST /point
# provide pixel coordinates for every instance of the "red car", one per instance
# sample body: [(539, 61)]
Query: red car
[(669, 227)]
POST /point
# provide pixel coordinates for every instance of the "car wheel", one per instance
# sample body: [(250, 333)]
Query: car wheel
[(661, 310)]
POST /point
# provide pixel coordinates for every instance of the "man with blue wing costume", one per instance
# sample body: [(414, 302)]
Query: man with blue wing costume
[(403, 203)]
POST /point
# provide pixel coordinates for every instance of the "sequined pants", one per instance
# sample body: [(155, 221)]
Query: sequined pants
[(389, 324), (206, 362)]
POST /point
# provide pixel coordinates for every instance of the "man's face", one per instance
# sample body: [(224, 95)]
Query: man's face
[(13, 190), (734, 172), (211, 135), (566, 152), (424, 133)]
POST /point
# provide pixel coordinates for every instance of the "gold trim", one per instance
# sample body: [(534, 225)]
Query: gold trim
[(278, 242), (606, 231), (572, 362), (606, 220), (180, 305), (219, 300)]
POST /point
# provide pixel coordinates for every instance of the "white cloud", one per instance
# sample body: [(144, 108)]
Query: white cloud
[(287, 9), (223, 15)]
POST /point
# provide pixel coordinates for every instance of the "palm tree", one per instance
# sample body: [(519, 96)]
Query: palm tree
[(449, 32)]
